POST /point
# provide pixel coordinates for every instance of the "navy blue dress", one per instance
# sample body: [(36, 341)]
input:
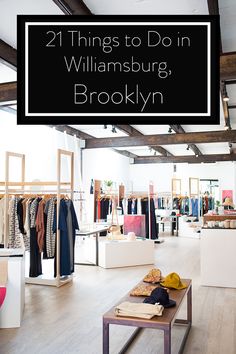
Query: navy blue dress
[(67, 225)]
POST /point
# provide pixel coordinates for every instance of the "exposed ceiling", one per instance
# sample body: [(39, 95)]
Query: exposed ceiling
[(9, 9)]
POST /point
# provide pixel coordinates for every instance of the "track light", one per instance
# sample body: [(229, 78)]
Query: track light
[(226, 127), (155, 153), (225, 95), (113, 129), (105, 126), (169, 130), (188, 147)]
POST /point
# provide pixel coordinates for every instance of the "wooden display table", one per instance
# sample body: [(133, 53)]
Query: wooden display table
[(218, 217), (165, 322)]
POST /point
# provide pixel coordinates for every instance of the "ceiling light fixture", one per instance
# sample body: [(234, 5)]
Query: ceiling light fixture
[(225, 95), (226, 127), (226, 98), (113, 129), (197, 155), (170, 130), (188, 147)]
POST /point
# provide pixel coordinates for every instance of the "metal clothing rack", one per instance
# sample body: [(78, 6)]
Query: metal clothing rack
[(61, 187)]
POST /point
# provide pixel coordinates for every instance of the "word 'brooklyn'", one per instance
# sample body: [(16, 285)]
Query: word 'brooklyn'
[(135, 96)]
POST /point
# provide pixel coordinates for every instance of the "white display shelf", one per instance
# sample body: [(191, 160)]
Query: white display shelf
[(122, 253), (218, 261)]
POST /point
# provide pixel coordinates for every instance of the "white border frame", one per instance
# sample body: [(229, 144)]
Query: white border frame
[(208, 24)]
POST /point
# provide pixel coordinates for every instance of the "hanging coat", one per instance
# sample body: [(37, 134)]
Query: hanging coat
[(67, 225)]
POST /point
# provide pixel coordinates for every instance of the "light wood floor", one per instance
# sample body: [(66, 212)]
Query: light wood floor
[(69, 319)]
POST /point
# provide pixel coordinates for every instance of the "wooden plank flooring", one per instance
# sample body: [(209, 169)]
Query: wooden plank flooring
[(69, 319)]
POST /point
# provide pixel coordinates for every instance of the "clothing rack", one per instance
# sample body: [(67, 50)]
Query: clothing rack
[(149, 194), (61, 187), (194, 191)]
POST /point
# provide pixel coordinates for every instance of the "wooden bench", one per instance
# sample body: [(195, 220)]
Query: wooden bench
[(165, 322)]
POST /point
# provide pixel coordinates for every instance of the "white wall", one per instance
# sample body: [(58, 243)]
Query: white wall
[(39, 144), (103, 164), (161, 175)]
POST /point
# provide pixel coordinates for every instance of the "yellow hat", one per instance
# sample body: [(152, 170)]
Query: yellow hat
[(173, 280), (228, 202)]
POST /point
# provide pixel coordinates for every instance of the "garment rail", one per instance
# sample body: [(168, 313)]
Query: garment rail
[(61, 187)]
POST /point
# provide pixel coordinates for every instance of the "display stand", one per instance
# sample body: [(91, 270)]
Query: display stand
[(20, 188), (125, 253), (11, 312), (218, 260), (166, 322)]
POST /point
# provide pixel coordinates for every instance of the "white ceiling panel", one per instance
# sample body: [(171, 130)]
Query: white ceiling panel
[(152, 129), (202, 128), (98, 131), (227, 10), (179, 150), (214, 148), (152, 7), (231, 90), (9, 9), (143, 151), (232, 114), (7, 74)]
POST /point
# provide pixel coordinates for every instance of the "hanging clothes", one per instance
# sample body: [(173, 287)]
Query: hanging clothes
[(153, 220), (35, 255), (145, 203), (125, 206), (2, 201), (132, 206), (15, 237), (139, 207), (40, 225), (50, 211), (27, 225), (102, 208), (67, 225), (20, 214), (194, 203)]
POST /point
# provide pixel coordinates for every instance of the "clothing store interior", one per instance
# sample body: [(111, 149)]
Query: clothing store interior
[(106, 246)]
